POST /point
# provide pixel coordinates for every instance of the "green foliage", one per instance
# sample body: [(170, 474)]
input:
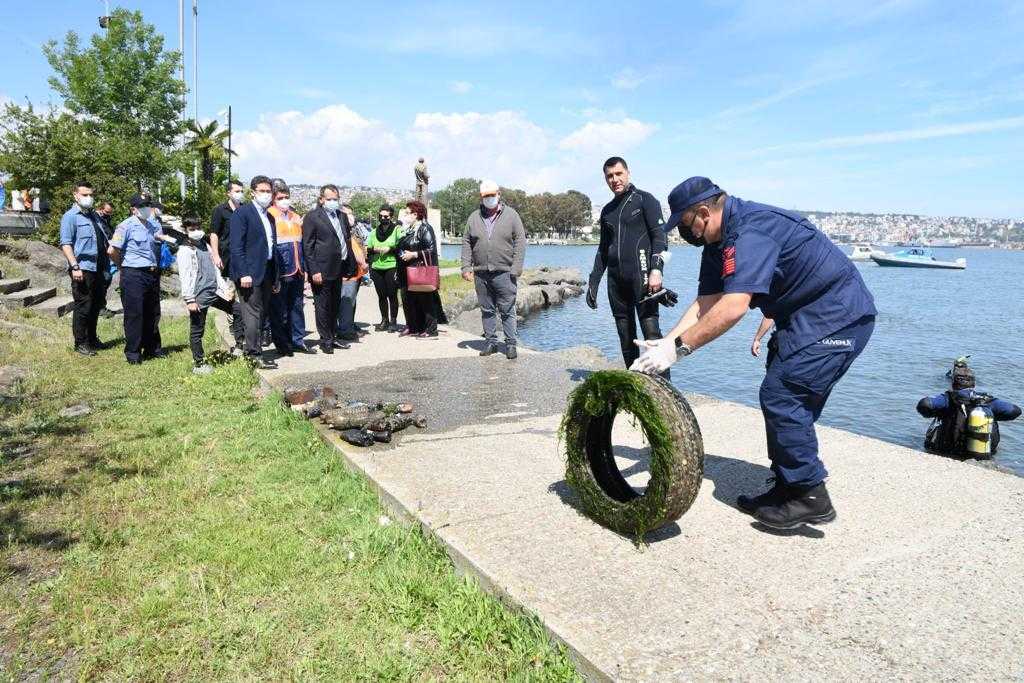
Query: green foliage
[(456, 202), (124, 81), (208, 143), (365, 205), (212, 535)]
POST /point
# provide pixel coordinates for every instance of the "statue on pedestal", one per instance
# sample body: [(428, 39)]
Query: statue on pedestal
[(422, 180)]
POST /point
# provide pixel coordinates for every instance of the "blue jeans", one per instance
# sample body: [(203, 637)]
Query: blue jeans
[(793, 394), (287, 318), (347, 307)]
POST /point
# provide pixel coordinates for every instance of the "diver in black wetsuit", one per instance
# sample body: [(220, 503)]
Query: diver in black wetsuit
[(632, 241)]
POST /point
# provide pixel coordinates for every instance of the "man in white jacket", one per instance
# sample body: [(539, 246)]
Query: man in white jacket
[(201, 287)]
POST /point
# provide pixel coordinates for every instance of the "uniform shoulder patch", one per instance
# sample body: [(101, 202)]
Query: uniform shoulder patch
[(728, 261)]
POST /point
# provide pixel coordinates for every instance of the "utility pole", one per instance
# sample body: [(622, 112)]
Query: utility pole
[(229, 143), (195, 59), (181, 47)]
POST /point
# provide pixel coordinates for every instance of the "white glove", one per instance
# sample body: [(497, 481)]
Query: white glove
[(658, 355)]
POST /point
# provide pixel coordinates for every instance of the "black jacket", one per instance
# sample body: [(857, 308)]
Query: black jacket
[(422, 241), (322, 249), (220, 225)]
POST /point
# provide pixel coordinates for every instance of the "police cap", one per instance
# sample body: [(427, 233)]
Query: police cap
[(686, 194)]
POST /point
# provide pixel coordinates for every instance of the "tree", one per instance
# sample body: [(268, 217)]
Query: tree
[(456, 202), (208, 143), (124, 81)]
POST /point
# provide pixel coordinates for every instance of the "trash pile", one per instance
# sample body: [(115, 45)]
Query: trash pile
[(360, 423)]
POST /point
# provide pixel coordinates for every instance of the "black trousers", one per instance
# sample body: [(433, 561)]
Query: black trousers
[(255, 304), (197, 327), (140, 298), (386, 284), (89, 294), (326, 299), (419, 311), (622, 297)]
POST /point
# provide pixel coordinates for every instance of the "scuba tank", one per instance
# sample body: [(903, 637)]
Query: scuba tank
[(979, 431)]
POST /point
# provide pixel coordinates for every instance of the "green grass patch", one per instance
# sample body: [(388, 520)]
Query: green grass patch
[(185, 529), (454, 288)]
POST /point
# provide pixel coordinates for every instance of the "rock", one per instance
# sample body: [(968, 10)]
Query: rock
[(405, 407), (529, 300), (170, 285), (77, 410), (10, 377), (552, 276), (552, 294), (37, 255)]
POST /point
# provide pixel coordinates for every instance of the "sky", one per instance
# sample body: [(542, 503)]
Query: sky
[(910, 106)]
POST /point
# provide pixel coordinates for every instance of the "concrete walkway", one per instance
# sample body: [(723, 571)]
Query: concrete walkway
[(920, 577)]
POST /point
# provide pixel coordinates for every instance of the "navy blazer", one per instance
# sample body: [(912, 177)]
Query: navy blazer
[(249, 246)]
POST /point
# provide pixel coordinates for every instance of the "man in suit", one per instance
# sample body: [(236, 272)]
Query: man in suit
[(329, 258), (253, 264)]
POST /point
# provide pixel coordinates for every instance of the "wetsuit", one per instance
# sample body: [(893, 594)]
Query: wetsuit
[(632, 241)]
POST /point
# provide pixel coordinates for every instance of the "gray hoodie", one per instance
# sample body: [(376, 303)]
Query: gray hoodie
[(501, 252)]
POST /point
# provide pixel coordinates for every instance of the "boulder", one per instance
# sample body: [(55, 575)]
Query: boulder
[(553, 295), (37, 255), (77, 410), (552, 276), (10, 377), (529, 300)]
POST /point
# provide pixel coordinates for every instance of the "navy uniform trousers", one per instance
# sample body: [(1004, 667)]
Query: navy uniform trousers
[(140, 298), (793, 394)]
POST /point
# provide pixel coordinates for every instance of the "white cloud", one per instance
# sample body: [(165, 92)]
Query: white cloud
[(607, 135), (907, 135), (460, 87), (337, 144), (629, 79)]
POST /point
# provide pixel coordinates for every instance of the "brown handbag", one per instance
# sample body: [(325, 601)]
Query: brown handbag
[(425, 278)]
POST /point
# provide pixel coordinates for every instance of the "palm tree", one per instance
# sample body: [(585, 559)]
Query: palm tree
[(208, 143)]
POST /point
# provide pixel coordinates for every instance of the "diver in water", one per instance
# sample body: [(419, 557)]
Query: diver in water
[(965, 421), (632, 242)]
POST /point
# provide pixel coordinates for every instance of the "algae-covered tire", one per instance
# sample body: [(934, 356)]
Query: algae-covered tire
[(677, 451)]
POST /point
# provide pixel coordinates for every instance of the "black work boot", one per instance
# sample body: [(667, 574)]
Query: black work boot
[(778, 493), (510, 352), (489, 350), (803, 506)]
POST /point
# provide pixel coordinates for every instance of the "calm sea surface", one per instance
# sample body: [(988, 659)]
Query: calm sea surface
[(926, 318)]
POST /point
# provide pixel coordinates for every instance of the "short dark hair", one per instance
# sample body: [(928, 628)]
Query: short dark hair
[(190, 222), (328, 186), (83, 183), (386, 207), (105, 203), (612, 161), (259, 180), (280, 187), (418, 209), (231, 183)]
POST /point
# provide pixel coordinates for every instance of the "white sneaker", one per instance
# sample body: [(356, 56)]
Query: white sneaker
[(237, 352), (203, 369)]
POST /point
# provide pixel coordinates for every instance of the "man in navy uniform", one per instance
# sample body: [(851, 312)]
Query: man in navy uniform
[(759, 256), (84, 243), (253, 238), (136, 251)]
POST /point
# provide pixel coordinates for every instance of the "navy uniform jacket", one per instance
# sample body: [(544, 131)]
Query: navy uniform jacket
[(796, 275), (249, 246)]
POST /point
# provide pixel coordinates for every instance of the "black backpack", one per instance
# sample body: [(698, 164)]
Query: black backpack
[(948, 432)]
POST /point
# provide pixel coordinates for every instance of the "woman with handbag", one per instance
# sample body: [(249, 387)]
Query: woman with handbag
[(418, 275)]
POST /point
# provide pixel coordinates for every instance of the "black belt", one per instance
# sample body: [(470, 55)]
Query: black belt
[(145, 269)]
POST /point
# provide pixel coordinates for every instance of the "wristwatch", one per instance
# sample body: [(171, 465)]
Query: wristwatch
[(682, 348), (76, 267)]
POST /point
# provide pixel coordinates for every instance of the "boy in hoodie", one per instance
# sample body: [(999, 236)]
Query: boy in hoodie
[(201, 287)]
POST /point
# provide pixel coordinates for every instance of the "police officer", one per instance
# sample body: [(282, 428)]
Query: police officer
[(84, 244), (136, 251), (632, 240), (759, 256)]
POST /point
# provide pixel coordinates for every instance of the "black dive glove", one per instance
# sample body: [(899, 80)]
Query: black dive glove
[(665, 297)]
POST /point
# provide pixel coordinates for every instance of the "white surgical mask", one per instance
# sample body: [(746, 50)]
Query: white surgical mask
[(85, 202), (145, 213), (238, 196), (263, 198), (284, 204), (491, 202), (196, 235), (331, 204)]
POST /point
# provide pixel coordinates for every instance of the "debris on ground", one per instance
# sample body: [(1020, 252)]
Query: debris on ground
[(360, 423)]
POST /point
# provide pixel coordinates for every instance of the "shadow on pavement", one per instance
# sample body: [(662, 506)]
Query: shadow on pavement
[(474, 344)]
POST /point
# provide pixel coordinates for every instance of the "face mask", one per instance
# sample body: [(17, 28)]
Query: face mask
[(691, 238), (284, 204), (145, 214), (85, 202), (331, 204), (196, 235), (262, 198), (491, 202), (385, 220), (238, 196)]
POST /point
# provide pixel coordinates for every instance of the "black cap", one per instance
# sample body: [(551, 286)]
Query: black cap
[(686, 194), (140, 201)]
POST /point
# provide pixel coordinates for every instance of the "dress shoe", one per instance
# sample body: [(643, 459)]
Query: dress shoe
[(489, 350), (340, 344), (85, 350), (326, 348), (380, 327), (302, 349), (510, 352), (348, 336)]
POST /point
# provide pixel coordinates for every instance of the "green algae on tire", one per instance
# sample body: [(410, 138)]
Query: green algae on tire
[(677, 451)]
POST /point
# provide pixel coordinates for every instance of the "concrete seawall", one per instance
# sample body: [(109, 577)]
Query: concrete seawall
[(920, 577)]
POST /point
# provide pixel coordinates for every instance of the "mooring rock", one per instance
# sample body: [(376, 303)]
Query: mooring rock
[(553, 295), (552, 276), (39, 256), (529, 300)]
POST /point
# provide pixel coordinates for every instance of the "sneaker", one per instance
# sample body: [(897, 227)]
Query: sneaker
[(804, 506), (85, 350), (237, 352), (405, 333), (489, 350), (510, 352), (773, 496), (326, 348), (203, 369)]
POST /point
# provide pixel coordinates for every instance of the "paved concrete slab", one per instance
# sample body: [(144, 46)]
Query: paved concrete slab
[(920, 577)]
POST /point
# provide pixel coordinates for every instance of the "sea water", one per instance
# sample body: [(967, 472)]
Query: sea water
[(926, 318)]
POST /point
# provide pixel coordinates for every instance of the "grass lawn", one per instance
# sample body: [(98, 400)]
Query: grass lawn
[(186, 529), (453, 288)]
